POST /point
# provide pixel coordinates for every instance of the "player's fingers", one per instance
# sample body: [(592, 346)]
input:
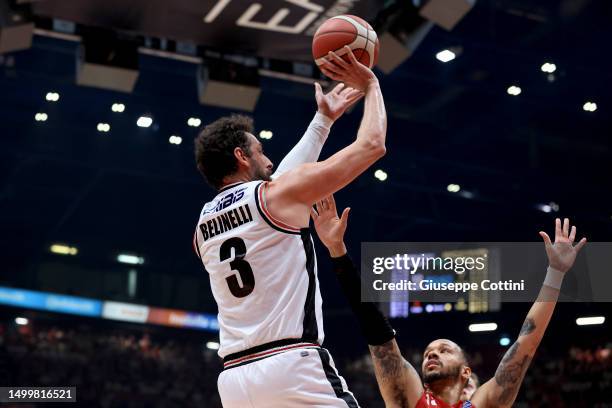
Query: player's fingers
[(354, 94), (580, 244), (338, 88), (332, 203), (313, 214), (346, 91), (572, 235), (566, 227), (321, 206), (546, 238), (337, 60), (344, 216), (351, 56), (330, 74), (318, 89), (330, 68), (558, 232)]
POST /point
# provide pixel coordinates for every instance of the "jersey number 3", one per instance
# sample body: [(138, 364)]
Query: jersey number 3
[(240, 265)]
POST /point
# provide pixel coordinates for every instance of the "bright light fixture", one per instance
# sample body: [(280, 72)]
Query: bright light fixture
[(548, 67), (103, 127), (40, 117), (212, 345), (453, 188), (446, 55), (514, 90), (144, 121), (381, 175), (118, 107), (194, 122), (130, 259), (504, 341), (176, 140), (21, 321), (590, 320), (589, 106), (266, 134), (482, 327), (62, 249), (52, 96)]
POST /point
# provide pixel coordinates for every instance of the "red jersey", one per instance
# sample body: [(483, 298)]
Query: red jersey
[(428, 400)]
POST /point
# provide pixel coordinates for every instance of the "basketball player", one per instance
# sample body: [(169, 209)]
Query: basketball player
[(254, 241), (445, 368)]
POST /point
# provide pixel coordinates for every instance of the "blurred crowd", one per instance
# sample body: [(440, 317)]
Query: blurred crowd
[(127, 368)]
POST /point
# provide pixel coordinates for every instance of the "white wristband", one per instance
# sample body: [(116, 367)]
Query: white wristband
[(554, 278)]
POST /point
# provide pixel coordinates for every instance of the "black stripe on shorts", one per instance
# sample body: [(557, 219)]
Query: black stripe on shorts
[(334, 380)]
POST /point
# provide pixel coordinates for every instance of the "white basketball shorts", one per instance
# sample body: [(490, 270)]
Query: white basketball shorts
[(304, 376)]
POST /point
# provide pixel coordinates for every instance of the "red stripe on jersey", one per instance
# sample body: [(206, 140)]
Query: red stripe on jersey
[(264, 207)]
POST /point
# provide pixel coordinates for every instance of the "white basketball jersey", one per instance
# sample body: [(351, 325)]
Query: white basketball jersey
[(263, 273)]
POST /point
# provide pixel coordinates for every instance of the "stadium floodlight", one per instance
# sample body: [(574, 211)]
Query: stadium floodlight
[(62, 249), (103, 127), (194, 122), (446, 56), (266, 134), (590, 320), (482, 327), (514, 90), (453, 188), (548, 67), (589, 107), (21, 321), (212, 345), (41, 117), (52, 96), (130, 259), (381, 175), (175, 140), (144, 121), (118, 107), (504, 341)]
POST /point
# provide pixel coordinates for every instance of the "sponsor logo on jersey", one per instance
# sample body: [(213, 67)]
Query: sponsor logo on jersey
[(224, 202)]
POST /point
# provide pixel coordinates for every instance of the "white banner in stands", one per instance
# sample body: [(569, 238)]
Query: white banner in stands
[(126, 312)]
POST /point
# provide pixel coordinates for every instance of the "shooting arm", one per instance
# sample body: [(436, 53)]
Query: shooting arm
[(308, 148), (314, 181)]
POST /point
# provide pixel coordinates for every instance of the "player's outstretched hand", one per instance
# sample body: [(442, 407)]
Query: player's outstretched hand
[(334, 103), (353, 73), (562, 254), (329, 227)]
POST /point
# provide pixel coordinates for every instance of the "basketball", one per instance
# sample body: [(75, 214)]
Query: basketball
[(343, 30)]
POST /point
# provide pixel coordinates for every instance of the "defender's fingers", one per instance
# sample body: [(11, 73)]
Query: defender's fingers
[(580, 244), (546, 238)]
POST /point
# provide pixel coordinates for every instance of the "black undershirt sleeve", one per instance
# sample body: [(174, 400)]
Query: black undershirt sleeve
[(374, 324)]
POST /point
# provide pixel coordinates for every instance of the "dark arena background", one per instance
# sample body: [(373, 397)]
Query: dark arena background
[(499, 122)]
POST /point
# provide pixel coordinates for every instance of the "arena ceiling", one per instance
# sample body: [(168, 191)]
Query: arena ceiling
[(129, 190)]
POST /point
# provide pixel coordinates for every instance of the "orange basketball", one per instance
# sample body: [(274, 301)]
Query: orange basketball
[(349, 30)]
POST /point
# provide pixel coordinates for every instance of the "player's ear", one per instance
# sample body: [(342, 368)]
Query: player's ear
[(241, 156), (466, 373)]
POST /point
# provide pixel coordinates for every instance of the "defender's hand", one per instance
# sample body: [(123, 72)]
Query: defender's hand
[(329, 227), (562, 254), (337, 101), (353, 73)]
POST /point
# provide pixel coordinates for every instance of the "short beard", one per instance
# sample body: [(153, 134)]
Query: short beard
[(442, 375), (262, 174)]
